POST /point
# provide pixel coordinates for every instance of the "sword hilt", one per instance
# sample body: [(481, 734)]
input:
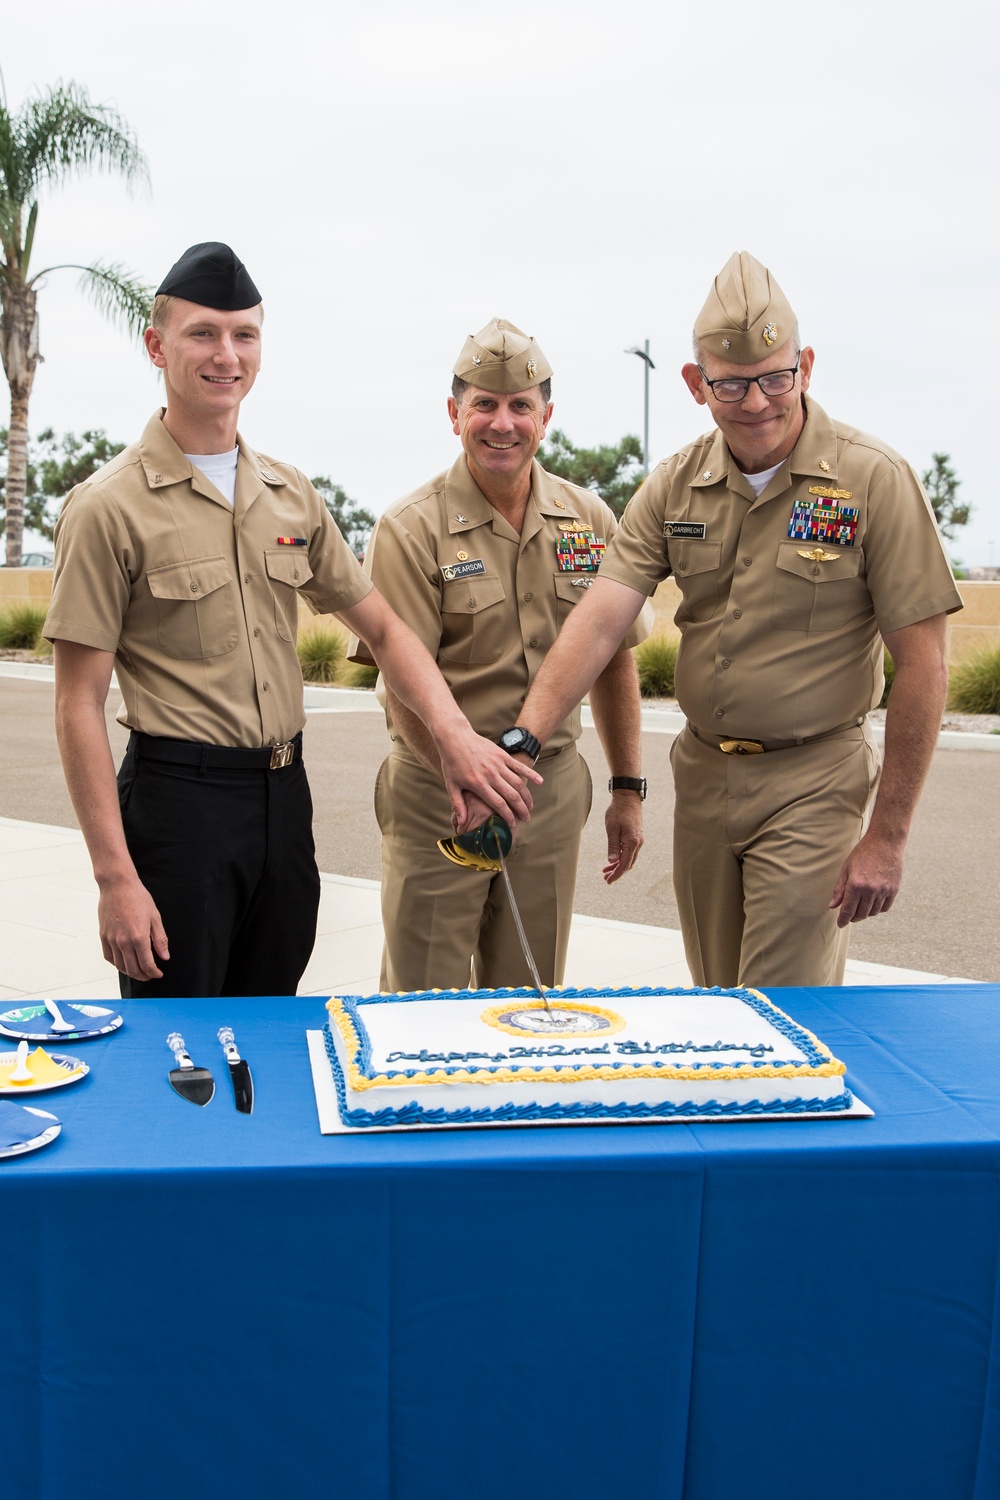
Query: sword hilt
[(482, 848)]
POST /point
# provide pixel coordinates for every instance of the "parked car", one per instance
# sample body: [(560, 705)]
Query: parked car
[(34, 560)]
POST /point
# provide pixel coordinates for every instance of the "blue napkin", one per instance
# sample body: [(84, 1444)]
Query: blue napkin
[(42, 1022), (18, 1126)]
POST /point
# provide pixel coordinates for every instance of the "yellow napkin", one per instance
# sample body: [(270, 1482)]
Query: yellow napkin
[(39, 1064)]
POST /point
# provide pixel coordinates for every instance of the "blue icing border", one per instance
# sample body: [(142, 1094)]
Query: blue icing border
[(413, 1113), (813, 1055)]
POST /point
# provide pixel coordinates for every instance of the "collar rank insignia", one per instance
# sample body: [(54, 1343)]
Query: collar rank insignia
[(823, 521), (579, 550), (469, 569)]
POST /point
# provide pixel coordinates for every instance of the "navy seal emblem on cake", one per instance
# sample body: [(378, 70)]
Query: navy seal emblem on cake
[(535, 1018)]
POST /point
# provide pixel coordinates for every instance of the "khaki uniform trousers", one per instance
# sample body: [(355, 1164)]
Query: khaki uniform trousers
[(446, 925), (759, 843)]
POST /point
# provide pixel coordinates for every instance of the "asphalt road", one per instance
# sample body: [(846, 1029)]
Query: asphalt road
[(945, 920)]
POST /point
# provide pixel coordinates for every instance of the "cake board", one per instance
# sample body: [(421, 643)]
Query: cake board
[(330, 1122)]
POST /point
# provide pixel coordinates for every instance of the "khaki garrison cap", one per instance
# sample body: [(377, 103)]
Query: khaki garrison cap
[(746, 315), (501, 358)]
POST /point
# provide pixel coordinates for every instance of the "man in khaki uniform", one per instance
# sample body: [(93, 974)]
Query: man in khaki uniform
[(179, 565), (799, 544), (484, 563)]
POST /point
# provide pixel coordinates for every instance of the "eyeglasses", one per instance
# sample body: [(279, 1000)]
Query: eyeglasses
[(774, 383)]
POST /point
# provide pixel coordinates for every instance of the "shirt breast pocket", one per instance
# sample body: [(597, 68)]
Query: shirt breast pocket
[(818, 594), (695, 565), (570, 589), (472, 620), (195, 612), (287, 571)]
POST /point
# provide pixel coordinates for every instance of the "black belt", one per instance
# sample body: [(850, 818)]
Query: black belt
[(732, 746), (218, 757)]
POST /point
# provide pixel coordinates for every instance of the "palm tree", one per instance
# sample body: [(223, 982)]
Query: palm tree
[(47, 141)]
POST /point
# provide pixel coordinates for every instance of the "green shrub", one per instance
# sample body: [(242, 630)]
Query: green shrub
[(656, 659), (21, 626), (358, 674), (974, 684), (890, 672), (321, 652)]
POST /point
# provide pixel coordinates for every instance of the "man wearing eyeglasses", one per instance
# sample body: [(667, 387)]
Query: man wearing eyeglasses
[(799, 545)]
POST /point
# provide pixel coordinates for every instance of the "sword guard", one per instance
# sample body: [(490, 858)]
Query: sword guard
[(482, 848)]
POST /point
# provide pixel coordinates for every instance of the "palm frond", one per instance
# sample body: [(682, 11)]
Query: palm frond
[(116, 292), (62, 132), (8, 151)]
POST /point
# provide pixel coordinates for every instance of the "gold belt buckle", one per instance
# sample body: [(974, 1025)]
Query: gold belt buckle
[(282, 755), (741, 747)]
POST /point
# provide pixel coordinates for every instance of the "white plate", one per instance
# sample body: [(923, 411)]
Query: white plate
[(103, 1017), (72, 1067), (48, 1133)]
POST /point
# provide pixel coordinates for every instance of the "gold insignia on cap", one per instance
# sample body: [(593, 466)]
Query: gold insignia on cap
[(770, 334), (532, 367), (818, 555), (477, 359), (824, 466), (463, 556)]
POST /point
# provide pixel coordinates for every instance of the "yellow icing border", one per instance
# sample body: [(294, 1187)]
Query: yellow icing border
[(592, 1074), (493, 1014)]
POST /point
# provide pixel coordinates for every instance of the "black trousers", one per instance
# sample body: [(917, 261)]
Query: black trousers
[(229, 859)]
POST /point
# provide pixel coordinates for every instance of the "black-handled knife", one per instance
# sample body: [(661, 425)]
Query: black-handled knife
[(239, 1071)]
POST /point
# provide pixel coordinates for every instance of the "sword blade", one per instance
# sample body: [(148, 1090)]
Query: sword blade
[(525, 949)]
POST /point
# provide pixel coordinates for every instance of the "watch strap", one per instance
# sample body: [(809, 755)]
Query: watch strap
[(628, 784)]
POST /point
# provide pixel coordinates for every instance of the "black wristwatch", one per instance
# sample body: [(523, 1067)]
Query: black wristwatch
[(518, 740), (628, 784)]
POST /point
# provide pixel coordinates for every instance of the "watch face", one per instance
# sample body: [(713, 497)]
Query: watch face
[(511, 737)]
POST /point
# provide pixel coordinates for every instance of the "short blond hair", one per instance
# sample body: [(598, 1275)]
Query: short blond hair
[(163, 302)]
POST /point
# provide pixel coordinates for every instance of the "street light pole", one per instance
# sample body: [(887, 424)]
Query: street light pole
[(644, 356)]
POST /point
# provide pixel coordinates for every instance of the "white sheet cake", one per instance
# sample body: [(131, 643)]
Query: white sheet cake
[(467, 1057)]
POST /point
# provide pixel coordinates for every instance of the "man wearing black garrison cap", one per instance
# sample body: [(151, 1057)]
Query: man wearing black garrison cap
[(179, 565)]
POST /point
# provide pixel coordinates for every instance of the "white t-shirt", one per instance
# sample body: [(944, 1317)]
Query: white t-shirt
[(219, 469), (759, 482)]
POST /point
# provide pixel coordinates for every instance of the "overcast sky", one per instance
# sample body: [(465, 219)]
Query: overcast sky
[(395, 175)]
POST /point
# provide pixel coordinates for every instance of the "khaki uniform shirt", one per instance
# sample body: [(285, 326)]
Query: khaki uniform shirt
[(198, 601), (780, 632), (486, 602)]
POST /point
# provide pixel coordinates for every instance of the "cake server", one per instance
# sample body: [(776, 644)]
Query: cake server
[(195, 1084), (239, 1071)]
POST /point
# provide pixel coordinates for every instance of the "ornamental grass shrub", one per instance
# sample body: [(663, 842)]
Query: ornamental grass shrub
[(656, 659), (358, 674), (974, 684), (321, 653), (21, 626)]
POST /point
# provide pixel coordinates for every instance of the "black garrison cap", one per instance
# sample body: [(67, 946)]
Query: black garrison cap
[(211, 275)]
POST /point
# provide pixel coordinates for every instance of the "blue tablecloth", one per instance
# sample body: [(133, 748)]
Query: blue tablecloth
[(204, 1303)]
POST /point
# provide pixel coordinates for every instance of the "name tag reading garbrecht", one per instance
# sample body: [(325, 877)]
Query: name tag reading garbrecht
[(684, 529)]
